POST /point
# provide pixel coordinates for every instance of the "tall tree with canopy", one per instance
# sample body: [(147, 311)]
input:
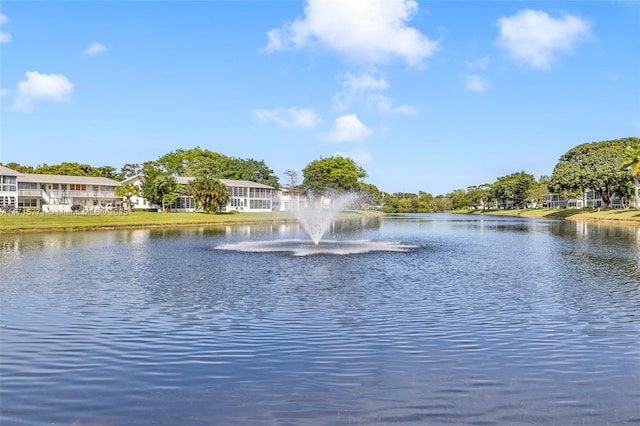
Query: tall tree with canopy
[(515, 187), (203, 162), (332, 174), (158, 186), (596, 165), (631, 162)]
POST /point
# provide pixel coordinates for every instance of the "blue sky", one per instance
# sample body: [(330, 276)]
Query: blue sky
[(426, 96)]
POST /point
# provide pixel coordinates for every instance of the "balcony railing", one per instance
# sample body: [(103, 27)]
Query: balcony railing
[(58, 194)]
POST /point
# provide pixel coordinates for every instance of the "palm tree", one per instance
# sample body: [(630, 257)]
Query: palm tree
[(128, 191), (632, 162), (209, 193)]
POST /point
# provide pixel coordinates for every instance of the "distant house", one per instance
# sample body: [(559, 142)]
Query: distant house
[(55, 193), (291, 198), (589, 199), (245, 196)]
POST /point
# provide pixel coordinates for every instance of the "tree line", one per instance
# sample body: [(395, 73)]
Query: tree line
[(606, 167)]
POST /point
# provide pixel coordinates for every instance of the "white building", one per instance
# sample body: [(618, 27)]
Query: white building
[(245, 196), (55, 193)]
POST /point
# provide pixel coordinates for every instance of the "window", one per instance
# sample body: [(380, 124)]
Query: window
[(182, 203), (260, 204), (8, 183), (8, 203), (237, 191), (77, 187), (27, 202)]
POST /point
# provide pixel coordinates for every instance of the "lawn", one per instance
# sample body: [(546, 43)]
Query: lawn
[(53, 222), (40, 222)]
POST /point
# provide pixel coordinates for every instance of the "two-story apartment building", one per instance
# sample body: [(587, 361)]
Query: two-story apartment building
[(245, 196), (56, 193)]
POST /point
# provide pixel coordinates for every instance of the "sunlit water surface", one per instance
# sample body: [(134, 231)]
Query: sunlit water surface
[(415, 319)]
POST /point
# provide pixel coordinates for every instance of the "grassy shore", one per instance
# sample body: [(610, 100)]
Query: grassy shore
[(631, 216), (13, 223)]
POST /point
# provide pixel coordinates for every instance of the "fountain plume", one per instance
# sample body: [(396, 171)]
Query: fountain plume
[(317, 217)]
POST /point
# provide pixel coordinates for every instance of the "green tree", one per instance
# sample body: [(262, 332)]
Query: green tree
[(459, 199), (332, 174), (108, 172), (130, 170), (128, 191), (478, 196), (539, 190), (69, 169), (209, 193), (596, 166), (514, 187), (19, 168), (369, 196), (158, 186), (631, 162), (203, 162)]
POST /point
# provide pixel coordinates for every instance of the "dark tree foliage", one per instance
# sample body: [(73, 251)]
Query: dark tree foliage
[(210, 194), (596, 165), (332, 174), (196, 162), (158, 186), (19, 167), (514, 187)]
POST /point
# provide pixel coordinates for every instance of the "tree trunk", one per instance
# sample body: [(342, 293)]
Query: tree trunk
[(606, 197), (636, 200)]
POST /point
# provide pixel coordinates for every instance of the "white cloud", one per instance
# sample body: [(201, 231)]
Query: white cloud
[(475, 83), (349, 128), (289, 117), (370, 31), (535, 38), (354, 88), (4, 37), (480, 64), (385, 105), (41, 87), (357, 155), (95, 48)]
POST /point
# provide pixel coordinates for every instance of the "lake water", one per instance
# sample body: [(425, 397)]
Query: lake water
[(414, 319)]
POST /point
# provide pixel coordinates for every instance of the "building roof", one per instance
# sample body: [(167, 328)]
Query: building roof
[(5, 171), (84, 180), (184, 180)]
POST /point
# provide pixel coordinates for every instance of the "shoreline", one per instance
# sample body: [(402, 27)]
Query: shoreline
[(611, 216), (39, 223), (21, 224)]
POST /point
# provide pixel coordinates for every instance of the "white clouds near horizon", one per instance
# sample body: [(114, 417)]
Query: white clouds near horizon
[(289, 117), (95, 48), (41, 87), (367, 31), (4, 37), (348, 128), (535, 38)]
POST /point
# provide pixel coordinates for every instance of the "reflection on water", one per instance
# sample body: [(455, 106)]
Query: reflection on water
[(485, 321)]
